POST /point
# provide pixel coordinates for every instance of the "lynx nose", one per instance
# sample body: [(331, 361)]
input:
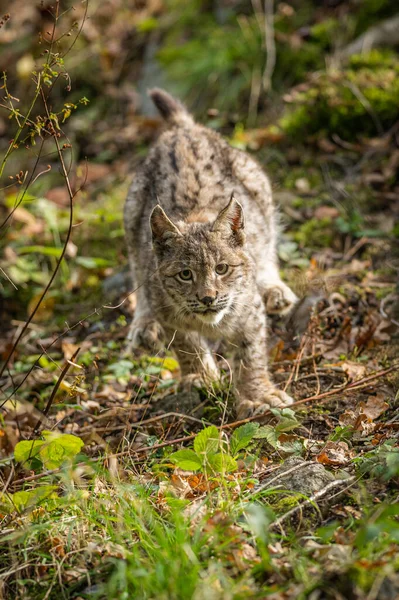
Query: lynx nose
[(207, 300)]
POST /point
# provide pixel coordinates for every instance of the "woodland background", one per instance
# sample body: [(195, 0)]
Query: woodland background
[(104, 493)]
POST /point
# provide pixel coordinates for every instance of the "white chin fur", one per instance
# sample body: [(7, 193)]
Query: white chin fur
[(212, 318)]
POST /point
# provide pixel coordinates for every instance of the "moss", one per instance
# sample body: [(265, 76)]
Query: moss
[(326, 31), (282, 503), (362, 99), (312, 175), (316, 233)]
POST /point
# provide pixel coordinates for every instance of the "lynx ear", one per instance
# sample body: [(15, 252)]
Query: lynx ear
[(161, 226), (230, 221)]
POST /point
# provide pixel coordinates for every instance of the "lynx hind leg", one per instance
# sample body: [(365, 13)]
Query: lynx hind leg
[(145, 332)]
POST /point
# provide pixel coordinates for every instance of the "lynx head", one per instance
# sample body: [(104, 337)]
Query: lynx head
[(203, 267)]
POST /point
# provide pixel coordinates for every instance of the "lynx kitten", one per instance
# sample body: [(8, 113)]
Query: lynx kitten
[(203, 271)]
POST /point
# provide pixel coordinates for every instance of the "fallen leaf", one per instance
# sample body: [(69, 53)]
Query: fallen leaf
[(334, 453), (68, 349), (245, 556), (361, 419), (58, 195), (374, 407), (354, 371)]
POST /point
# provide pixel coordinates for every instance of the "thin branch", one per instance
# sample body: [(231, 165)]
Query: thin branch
[(61, 258), (54, 391)]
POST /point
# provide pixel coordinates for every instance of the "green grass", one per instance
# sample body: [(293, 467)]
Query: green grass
[(134, 531)]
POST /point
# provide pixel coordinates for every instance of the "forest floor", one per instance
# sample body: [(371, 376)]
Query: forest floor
[(166, 495)]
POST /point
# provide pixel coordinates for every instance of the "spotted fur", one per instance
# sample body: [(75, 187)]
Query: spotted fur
[(201, 232)]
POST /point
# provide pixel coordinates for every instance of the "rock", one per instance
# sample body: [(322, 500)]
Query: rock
[(117, 284), (298, 475)]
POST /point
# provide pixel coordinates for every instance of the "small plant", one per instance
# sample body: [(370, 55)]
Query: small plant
[(287, 421), (383, 462), (211, 454), (50, 453), (26, 499)]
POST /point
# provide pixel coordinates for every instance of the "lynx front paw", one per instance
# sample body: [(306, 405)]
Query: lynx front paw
[(279, 299), (274, 398), (146, 334)]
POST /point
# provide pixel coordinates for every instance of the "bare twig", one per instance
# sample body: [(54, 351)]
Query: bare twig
[(39, 91), (54, 391)]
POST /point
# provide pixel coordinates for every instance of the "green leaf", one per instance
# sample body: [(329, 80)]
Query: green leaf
[(26, 450), (58, 448), (186, 459), (169, 363), (90, 262), (287, 419), (147, 25), (207, 441), (46, 250), (221, 463), (122, 368), (287, 425), (268, 433), (292, 447), (392, 460), (242, 437), (26, 499)]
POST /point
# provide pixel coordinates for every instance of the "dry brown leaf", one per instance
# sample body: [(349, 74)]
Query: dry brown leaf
[(334, 453), (361, 419), (68, 349), (108, 392), (354, 371), (374, 407), (59, 195), (195, 511), (326, 212), (245, 556)]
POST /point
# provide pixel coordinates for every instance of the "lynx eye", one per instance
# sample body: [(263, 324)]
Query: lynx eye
[(186, 275), (222, 268)]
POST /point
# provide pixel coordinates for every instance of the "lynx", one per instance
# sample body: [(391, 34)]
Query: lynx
[(201, 232)]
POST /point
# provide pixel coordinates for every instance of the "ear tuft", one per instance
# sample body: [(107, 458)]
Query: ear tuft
[(230, 221), (161, 226)]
